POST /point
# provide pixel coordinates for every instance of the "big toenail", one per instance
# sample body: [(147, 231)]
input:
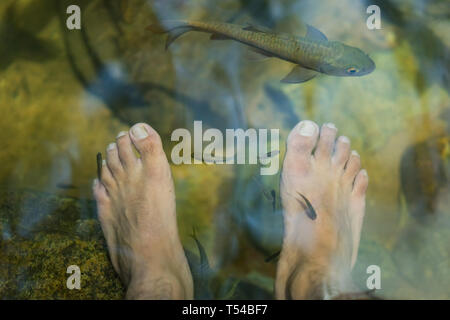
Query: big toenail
[(307, 128), (344, 139), (364, 172), (121, 134), (331, 125), (139, 132), (355, 153), (103, 162), (111, 146)]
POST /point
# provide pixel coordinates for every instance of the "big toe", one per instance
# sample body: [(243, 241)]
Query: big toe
[(146, 140), (300, 144)]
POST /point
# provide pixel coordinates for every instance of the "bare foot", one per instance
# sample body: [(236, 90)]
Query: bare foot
[(317, 255), (136, 208)]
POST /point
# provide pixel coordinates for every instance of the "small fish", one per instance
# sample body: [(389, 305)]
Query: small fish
[(272, 256), (214, 159), (271, 196), (269, 155), (204, 263), (310, 212), (312, 53), (99, 166)]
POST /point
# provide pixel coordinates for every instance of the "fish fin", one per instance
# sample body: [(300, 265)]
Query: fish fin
[(314, 33), (299, 75), (272, 256), (255, 54), (252, 55), (251, 27), (175, 34), (174, 28), (218, 36)]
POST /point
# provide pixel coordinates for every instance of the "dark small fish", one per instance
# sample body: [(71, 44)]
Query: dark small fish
[(272, 256), (204, 263), (99, 166), (201, 272), (310, 212), (215, 158), (274, 201), (272, 196), (270, 154)]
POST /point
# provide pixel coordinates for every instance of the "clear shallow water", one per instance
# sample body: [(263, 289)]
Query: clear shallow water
[(64, 95)]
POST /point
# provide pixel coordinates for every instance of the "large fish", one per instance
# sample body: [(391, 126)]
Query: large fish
[(312, 54)]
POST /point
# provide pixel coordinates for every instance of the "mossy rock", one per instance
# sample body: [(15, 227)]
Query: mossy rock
[(42, 235)]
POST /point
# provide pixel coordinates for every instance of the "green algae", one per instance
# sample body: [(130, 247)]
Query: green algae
[(55, 128), (34, 259)]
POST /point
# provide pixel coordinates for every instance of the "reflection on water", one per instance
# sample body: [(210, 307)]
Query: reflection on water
[(65, 94)]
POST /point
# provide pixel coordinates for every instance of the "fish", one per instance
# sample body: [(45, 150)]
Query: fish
[(269, 155), (218, 158), (274, 201), (312, 54), (99, 166), (204, 263), (310, 212), (272, 256), (271, 196)]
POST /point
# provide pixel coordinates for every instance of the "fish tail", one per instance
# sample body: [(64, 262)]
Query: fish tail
[(174, 29)]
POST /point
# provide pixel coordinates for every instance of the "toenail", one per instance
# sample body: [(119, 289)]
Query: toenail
[(121, 134), (111, 146), (364, 173), (307, 128), (344, 139), (103, 162), (355, 153), (331, 125), (139, 132)]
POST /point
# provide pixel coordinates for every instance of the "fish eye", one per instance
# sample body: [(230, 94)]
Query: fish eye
[(352, 70)]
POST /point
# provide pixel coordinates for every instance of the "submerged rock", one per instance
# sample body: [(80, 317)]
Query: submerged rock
[(41, 236)]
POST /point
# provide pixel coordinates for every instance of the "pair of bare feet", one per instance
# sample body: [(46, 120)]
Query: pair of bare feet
[(136, 207)]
